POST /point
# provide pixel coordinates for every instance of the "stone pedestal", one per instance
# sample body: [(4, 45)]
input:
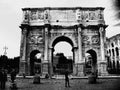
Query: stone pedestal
[(22, 68), (44, 68), (13, 86), (36, 79), (78, 69), (92, 79), (102, 69)]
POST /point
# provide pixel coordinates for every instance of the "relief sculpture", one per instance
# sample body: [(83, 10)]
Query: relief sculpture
[(36, 39), (85, 15), (88, 15), (40, 15), (86, 40), (33, 15), (95, 39), (26, 16)]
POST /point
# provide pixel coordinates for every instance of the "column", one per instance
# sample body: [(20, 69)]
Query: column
[(101, 30), (102, 65), (23, 61), (75, 65), (45, 64), (46, 45), (79, 45), (50, 61)]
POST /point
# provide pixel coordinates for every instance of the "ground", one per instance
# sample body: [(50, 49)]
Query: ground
[(59, 84)]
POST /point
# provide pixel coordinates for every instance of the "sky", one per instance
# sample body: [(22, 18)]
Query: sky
[(11, 18)]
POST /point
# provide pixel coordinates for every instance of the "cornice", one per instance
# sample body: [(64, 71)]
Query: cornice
[(64, 8), (63, 27)]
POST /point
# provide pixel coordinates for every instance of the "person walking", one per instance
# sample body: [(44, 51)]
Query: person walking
[(13, 75), (66, 79)]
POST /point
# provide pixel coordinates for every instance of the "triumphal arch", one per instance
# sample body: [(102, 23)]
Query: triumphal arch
[(42, 28)]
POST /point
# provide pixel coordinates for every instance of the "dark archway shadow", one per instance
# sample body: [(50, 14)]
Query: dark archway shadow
[(62, 59), (91, 63), (32, 60), (94, 55)]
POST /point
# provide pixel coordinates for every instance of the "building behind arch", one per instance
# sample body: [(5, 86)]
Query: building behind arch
[(113, 53)]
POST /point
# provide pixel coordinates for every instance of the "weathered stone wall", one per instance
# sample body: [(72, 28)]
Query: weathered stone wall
[(113, 52)]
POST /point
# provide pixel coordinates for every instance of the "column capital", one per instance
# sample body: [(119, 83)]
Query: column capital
[(51, 48), (74, 48), (102, 25), (24, 26), (24, 31), (79, 29), (101, 29)]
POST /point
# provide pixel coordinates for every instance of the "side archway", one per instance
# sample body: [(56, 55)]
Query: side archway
[(33, 60), (90, 62)]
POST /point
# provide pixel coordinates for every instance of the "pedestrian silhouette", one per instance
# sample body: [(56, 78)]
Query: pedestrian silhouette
[(13, 75), (66, 79), (3, 78)]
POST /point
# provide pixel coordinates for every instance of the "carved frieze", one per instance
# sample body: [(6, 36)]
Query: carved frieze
[(90, 37), (36, 36), (95, 39), (35, 39), (60, 16), (33, 15), (39, 15), (89, 15)]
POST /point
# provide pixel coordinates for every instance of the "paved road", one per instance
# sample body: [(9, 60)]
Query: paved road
[(76, 84)]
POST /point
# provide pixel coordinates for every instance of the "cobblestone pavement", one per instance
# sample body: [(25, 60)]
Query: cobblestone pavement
[(76, 84)]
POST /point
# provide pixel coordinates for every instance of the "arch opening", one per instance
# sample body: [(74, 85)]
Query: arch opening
[(35, 62), (90, 62), (62, 55), (117, 51)]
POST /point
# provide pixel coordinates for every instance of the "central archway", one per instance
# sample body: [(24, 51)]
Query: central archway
[(60, 62)]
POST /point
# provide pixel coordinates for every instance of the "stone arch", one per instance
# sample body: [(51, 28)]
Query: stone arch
[(62, 38), (93, 54), (92, 59), (112, 44), (68, 40), (113, 53), (33, 60), (118, 65), (117, 51), (109, 52), (113, 65)]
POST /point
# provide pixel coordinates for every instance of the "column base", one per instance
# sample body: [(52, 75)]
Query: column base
[(44, 68), (102, 69), (22, 68), (78, 69)]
